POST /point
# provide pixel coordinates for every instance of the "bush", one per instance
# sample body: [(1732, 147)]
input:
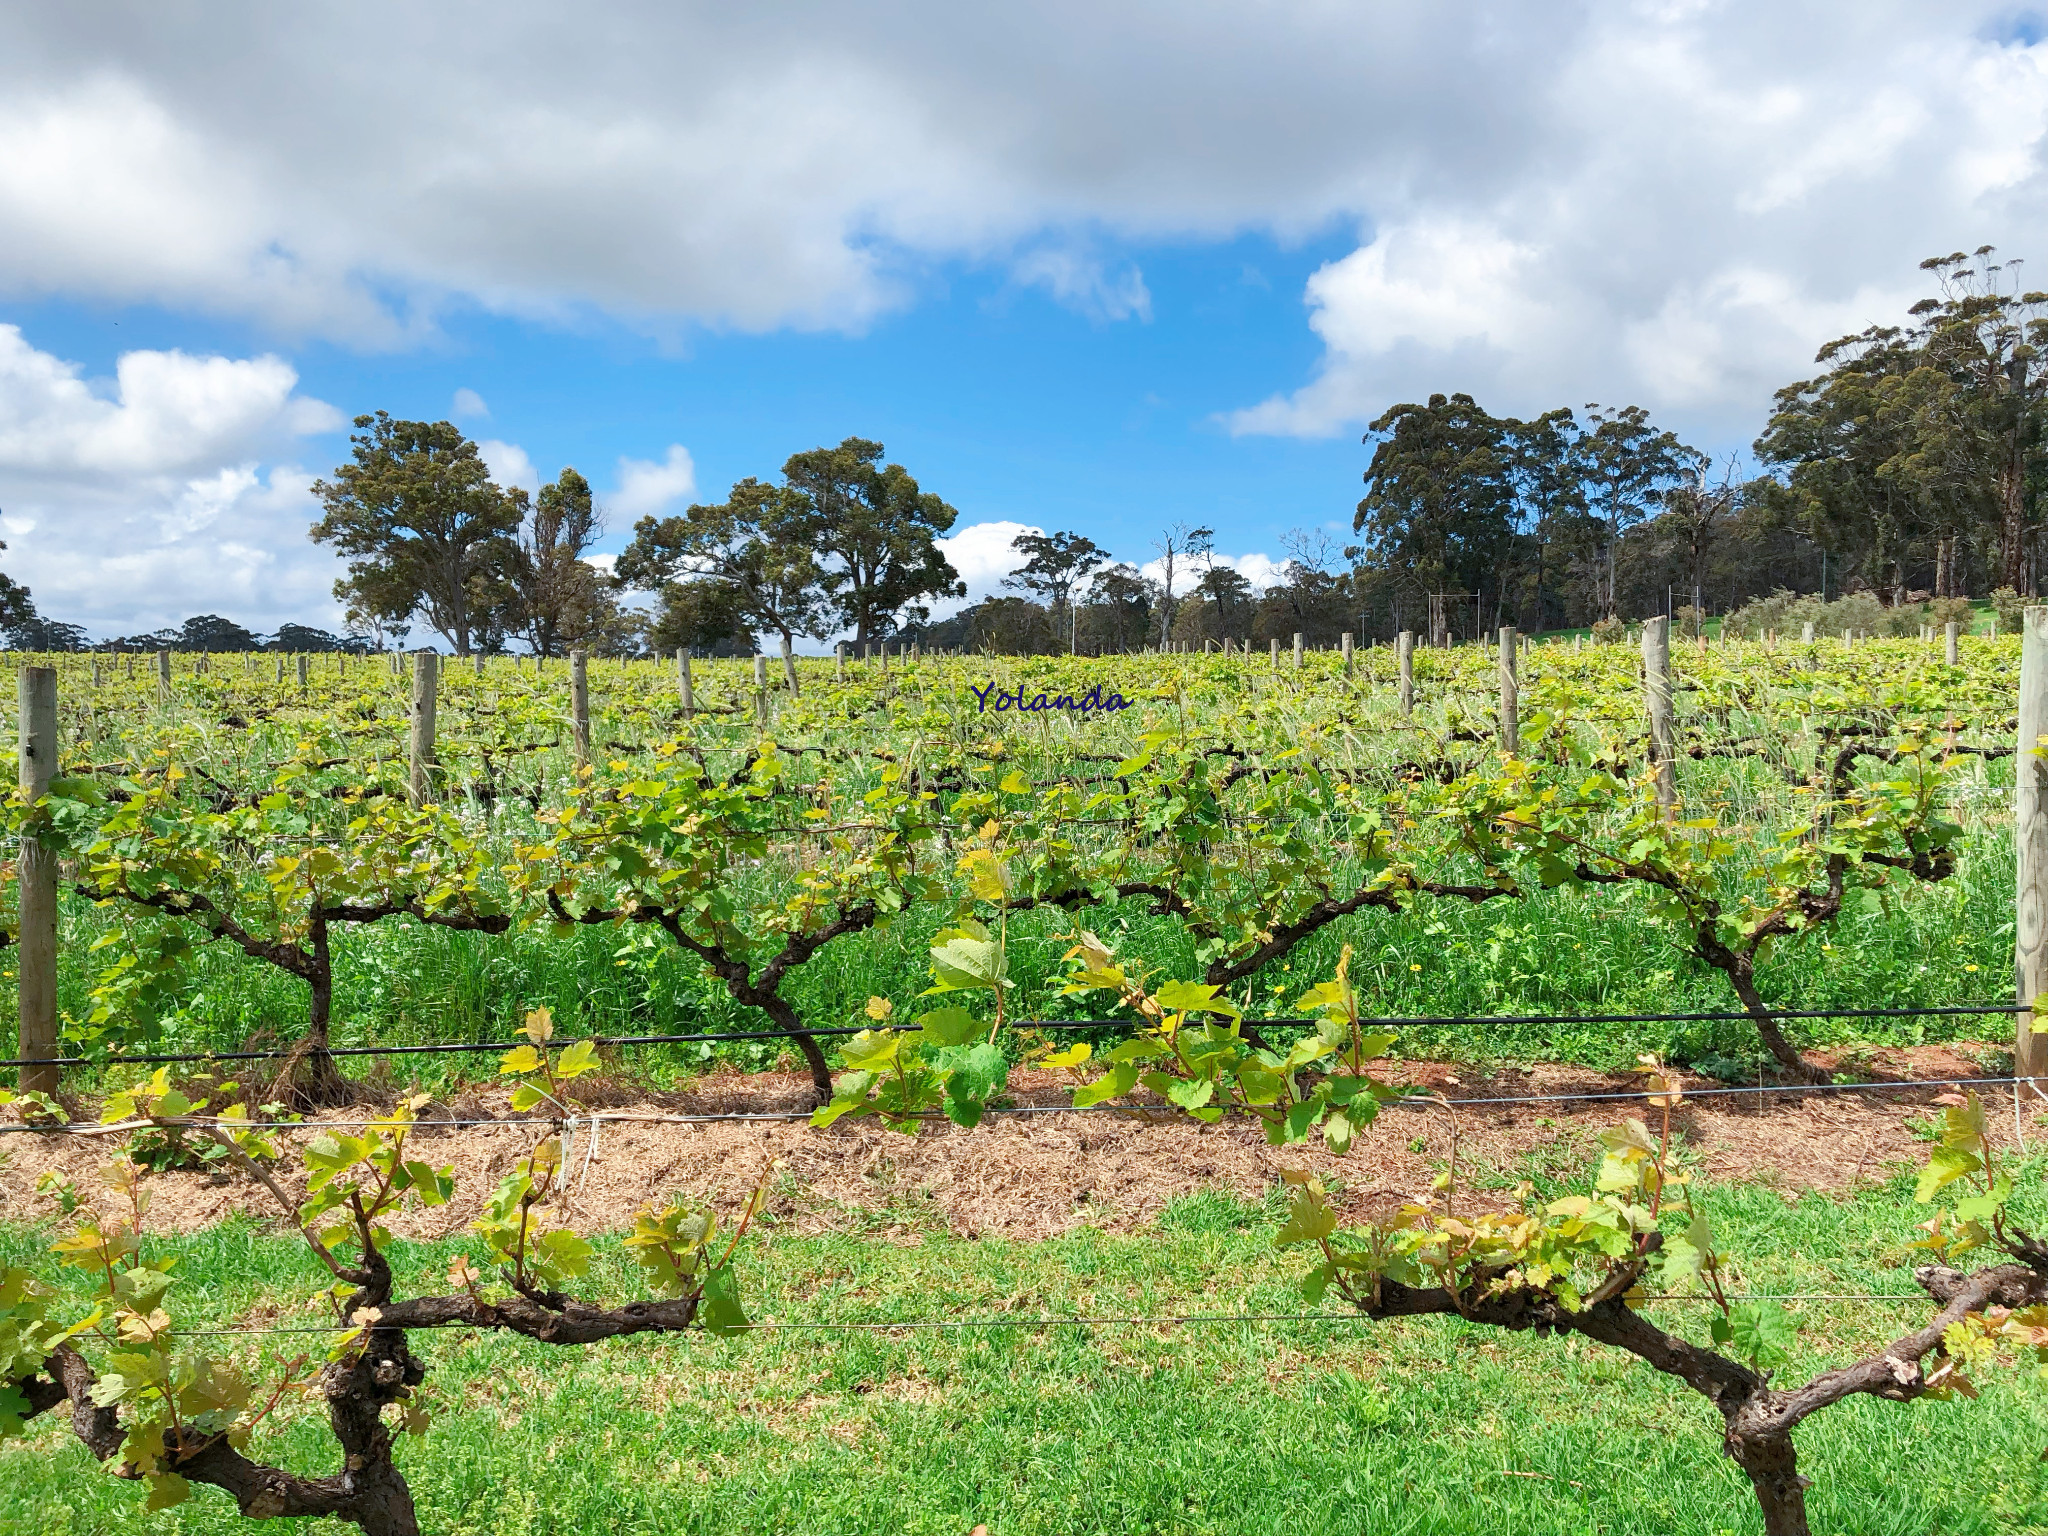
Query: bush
[(1609, 632), (1944, 611), (2008, 605), (1783, 613)]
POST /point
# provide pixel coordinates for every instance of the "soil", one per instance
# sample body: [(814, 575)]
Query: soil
[(1037, 1175)]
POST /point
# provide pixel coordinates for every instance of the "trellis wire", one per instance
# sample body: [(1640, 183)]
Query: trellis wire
[(1423, 1021)]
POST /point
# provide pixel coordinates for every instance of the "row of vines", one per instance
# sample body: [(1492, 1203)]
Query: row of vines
[(1255, 807)]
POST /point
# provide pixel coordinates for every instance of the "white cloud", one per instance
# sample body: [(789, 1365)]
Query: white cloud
[(146, 500), (509, 465), (1086, 285), (646, 487), (1669, 202), (1262, 571), (1705, 195), (468, 403), (983, 554)]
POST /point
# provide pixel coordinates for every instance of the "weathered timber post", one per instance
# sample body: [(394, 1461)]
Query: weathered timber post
[(1404, 655), (426, 671), (579, 705), (1657, 696), (36, 870), (2030, 817), (1510, 695)]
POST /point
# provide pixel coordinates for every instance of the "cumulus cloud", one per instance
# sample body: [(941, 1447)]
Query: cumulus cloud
[(1260, 570), (647, 487), (300, 170), (983, 554), (138, 502), (1665, 202), (1710, 192), (468, 403), (509, 464)]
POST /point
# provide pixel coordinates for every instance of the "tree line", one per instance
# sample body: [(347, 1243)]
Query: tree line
[(1909, 467)]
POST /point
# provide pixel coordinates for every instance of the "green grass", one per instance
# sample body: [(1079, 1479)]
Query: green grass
[(1342, 1426)]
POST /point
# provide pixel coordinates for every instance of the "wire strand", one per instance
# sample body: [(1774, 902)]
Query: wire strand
[(1419, 1021), (1415, 1100), (929, 1325)]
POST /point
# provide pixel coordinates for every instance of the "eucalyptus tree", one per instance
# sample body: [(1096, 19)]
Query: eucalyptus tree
[(422, 526), (875, 533)]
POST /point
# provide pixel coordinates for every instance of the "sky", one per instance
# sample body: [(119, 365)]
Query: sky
[(1106, 267)]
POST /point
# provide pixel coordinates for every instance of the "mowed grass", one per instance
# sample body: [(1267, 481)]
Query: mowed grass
[(1347, 1426)]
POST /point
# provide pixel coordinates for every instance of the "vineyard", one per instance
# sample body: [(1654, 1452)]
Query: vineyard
[(916, 1092)]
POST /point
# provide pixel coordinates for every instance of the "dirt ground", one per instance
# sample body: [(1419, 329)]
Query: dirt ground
[(1037, 1175)]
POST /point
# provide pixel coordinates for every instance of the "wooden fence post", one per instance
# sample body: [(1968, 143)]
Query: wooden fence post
[(2030, 816), (839, 662), (304, 663), (36, 869), (1657, 696), (1404, 655), (685, 685), (1953, 631), (761, 689), (579, 705), (1510, 695), (789, 665), (1297, 653), (163, 677), (1349, 668), (425, 678)]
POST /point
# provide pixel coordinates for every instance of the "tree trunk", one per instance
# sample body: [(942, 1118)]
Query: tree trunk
[(1773, 1471), (2012, 526), (813, 1054), (323, 1086), (1783, 1051)]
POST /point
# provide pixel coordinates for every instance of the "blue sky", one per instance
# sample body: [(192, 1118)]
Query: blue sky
[(1010, 404), (1107, 266)]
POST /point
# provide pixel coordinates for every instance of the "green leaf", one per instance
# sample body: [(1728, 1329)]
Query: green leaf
[(949, 1026), (1762, 1331), (166, 1489), (720, 1310), (577, 1060), (872, 1050), (526, 1097), (1191, 1095), (968, 963), (1193, 997), (1113, 1084), (1944, 1166), (1309, 1218), (1338, 1131)]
